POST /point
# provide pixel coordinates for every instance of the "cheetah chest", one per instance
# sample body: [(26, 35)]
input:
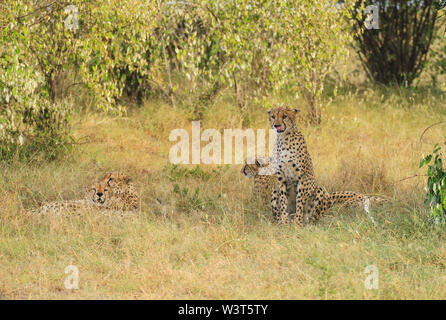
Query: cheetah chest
[(288, 158)]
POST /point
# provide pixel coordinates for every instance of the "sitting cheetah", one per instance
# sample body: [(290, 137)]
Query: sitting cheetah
[(265, 182), (294, 168), (113, 192)]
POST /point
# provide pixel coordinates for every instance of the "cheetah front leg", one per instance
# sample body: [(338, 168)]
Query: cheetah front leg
[(282, 203), (298, 215), (275, 204), (291, 195)]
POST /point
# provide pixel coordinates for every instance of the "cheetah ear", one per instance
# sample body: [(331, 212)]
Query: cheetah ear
[(107, 176), (260, 161), (296, 110)]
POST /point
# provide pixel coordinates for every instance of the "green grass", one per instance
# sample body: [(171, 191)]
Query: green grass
[(209, 239)]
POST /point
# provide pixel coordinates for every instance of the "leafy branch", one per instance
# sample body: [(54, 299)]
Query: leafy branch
[(436, 184)]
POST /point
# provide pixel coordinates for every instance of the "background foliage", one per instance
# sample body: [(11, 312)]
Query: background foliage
[(143, 48)]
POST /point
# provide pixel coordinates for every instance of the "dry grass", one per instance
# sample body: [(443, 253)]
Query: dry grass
[(213, 241)]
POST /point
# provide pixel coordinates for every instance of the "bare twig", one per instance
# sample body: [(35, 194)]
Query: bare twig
[(432, 125), (74, 84), (414, 176), (37, 10)]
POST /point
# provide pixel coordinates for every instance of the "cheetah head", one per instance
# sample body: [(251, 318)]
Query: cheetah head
[(111, 187), (252, 166), (99, 193), (124, 194), (282, 118)]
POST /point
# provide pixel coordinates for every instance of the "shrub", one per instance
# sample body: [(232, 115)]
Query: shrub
[(40, 41), (396, 52), (436, 184), (29, 121)]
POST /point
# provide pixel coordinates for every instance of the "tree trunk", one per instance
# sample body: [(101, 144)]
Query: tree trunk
[(315, 113)]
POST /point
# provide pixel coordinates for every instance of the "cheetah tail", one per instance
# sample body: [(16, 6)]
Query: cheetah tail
[(355, 198), (346, 197), (352, 197), (378, 200)]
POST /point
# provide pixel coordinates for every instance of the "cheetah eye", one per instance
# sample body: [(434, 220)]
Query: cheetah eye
[(105, 190), (284, 116)]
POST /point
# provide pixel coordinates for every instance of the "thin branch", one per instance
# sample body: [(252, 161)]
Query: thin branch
[(74, 84), (37, 10), (432, 125), (407, 178)]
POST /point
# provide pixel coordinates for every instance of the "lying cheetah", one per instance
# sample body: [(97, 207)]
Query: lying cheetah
[(113, 192), (265, 182), (294, 168)]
